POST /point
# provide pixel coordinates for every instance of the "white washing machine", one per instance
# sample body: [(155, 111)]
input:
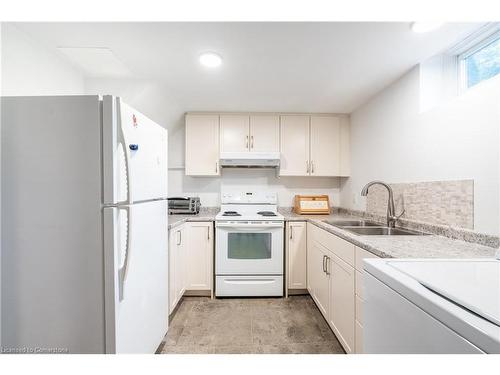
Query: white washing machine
[(432, 306)]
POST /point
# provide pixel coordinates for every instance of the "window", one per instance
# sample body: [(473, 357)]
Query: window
[(481, 62)]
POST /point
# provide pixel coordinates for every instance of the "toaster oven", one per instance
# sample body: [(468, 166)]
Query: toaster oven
[(184, 205)]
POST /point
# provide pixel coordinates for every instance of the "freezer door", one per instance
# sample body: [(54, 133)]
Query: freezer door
[(136, 272), (134, 155)]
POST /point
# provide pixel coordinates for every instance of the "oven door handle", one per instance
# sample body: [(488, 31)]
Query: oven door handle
[(249, 227)]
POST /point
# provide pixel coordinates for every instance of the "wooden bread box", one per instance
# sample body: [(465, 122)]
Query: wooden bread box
[(312, 205)]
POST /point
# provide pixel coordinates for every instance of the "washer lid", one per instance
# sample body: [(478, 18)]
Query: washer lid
[(474, 285)]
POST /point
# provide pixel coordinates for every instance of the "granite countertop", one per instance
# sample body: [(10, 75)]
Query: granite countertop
[(429, 246), (206, 214)]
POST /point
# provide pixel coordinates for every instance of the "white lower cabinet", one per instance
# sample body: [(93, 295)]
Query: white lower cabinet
[(199, 255), (177, 269), (318, 281), (331, 282), (360, 254), (190, 260), (342, 304), (296, 254)]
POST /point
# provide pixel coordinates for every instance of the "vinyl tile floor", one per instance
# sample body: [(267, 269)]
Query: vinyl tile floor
[(249, 326)]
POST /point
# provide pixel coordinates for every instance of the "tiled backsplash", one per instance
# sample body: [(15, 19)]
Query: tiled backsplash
[(435, 202)]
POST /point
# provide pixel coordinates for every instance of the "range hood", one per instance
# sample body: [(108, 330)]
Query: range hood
[(250, 159)]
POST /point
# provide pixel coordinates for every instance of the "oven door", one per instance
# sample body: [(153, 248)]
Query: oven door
[(249, 248)]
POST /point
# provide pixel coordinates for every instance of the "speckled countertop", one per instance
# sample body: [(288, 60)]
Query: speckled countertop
[(206, 214), (430, 246)]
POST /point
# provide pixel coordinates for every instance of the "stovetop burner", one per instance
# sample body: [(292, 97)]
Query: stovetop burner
[(230, 213), (267, 213)]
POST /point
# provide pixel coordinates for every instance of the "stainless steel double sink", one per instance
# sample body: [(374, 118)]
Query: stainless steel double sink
[(371, 228)]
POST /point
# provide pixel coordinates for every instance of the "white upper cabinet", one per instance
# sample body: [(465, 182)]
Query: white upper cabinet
[(309, 145), (314, 145), (234, 133), (264, 133), (325, 146), (345, 147), (202, 145), (294, 145)]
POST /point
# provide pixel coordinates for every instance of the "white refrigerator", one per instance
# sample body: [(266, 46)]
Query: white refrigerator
[(84, 226)]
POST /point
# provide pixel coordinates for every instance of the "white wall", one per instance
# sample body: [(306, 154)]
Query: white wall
[(30, 69), (458, 139), (26, 68), (208, 188)]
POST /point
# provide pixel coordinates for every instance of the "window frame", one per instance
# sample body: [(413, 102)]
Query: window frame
[(477, 45)]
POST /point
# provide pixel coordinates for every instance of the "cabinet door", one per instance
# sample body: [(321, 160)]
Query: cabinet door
[(294, 145), (234, 133), (181, 279), (318, 279), (202, 145), (199, 255), (173, 274), (342, 303), (264, 133), (345, 146), (296, 245), (325, 146)]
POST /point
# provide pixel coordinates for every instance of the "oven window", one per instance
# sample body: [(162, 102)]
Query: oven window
[(249, 245)]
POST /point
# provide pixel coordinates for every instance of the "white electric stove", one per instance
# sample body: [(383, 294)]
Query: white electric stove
[(249, 245)]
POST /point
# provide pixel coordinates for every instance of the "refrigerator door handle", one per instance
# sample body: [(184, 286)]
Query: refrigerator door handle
[(126, 150), (122, 272)]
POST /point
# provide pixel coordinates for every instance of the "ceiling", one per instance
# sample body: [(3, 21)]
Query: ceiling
[(303, 67)]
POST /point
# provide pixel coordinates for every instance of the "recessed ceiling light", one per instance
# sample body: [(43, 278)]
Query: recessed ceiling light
[(210, 59), (424, 27)]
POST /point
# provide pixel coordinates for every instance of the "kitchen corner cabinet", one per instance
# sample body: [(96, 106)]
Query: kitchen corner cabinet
[(331, 282), (202, 145), (177, 266), (199, 255), (314, 145), (296, 254)]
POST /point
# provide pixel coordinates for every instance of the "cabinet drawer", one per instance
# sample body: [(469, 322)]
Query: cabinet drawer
[(341, 248), (359, 309), (360, 255)]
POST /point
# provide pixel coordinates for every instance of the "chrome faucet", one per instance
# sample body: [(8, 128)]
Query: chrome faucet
[(391, 214)]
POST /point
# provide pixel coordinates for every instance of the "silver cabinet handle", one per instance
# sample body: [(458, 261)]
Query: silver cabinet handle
[(307, 166), (324, 257), (291, 232), (216, 167), (246, 142), (326, 267), (312, 166), (179, 237), (251, 141), (208, 232)]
